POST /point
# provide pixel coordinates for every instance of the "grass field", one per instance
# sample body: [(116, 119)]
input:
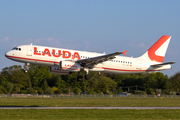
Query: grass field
[(95, 114), (91, 114), (91, 102)]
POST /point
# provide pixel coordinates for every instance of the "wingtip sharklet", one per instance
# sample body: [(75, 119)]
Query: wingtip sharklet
[(124, 52)]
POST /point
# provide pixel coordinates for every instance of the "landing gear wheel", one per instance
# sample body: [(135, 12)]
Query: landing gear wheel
[(80, 78), (87, 76), (26, 67)]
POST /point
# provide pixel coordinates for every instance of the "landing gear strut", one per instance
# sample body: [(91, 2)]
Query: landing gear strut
[(26, 67), (87, 76)]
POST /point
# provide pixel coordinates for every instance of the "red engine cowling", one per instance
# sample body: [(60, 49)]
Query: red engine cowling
[(57, 70), (70, 66)]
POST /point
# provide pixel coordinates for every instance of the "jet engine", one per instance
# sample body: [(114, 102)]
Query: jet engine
[(57, 70), (70, 66)]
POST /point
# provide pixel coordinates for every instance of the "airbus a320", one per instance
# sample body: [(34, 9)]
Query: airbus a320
[(65, 61)]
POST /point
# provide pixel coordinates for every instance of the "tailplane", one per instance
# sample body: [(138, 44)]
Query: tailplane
[(157, 52)]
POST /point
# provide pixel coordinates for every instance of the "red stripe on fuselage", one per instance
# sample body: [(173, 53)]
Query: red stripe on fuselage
[(127, 70), (30, 59), (58, 62)]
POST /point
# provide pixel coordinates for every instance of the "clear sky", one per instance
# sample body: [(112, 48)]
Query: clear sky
[(95, 25)]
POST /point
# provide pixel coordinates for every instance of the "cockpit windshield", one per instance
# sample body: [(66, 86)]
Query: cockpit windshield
[(15, 48)]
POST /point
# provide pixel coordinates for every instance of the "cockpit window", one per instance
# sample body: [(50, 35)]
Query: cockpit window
[(15, 48)]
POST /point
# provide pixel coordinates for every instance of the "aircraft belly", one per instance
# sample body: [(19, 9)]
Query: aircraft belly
[(97, 69)]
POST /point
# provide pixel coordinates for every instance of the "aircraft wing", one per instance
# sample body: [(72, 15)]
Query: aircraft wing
[(90, 62), (162, 64)]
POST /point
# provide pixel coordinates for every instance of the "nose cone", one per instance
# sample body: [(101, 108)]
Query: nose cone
[(7, 54)]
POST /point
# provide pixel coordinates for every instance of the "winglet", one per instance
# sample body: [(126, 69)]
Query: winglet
[(124, 52)]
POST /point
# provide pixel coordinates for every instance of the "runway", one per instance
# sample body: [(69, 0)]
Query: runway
[(133, 108)]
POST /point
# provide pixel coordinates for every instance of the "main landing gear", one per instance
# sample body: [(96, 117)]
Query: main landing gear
[(80, 77), (87, 76), (26, 67)]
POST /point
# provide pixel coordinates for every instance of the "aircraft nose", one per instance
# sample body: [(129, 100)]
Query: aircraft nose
[(7, 54)]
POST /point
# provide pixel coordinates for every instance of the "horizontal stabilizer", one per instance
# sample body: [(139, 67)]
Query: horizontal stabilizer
[(162, 64)]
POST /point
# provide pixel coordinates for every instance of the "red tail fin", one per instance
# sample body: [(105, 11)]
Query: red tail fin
[(158, 50)]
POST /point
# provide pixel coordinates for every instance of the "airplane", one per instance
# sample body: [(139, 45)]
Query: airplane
[(66, 61)]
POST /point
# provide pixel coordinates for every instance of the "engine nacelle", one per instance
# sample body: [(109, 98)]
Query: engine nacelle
[(70, 66), (57, 70)]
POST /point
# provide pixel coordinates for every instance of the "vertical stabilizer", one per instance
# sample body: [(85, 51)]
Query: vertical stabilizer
[(157, 52)]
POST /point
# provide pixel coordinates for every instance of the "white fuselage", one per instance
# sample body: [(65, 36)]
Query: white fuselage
[(49, 56)]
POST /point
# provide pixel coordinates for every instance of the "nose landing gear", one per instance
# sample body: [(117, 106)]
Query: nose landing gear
[(26, 67)]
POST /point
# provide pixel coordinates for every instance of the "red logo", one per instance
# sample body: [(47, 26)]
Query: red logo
[(153, 49), (65, 54)]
